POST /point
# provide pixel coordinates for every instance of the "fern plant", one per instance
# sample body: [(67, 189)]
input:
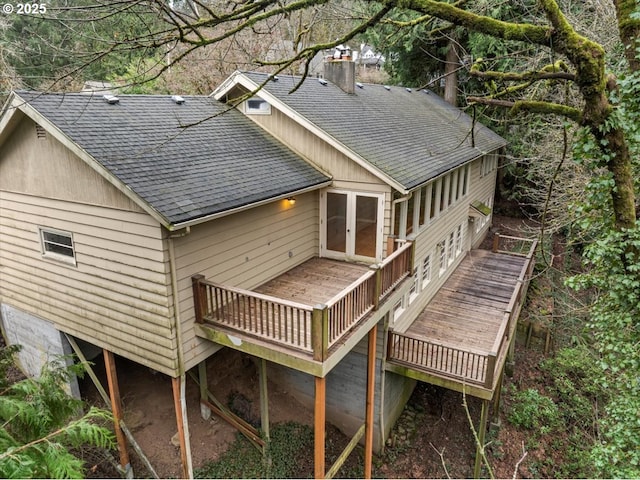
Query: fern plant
[(41, 423)]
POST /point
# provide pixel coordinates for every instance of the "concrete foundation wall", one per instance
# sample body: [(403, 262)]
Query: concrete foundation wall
[(41, 342)]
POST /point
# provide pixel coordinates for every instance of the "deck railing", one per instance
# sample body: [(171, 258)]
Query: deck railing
[(461, 364), (312, 329), (467, 364)]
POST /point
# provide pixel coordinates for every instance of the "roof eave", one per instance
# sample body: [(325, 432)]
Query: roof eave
[(248, 206)]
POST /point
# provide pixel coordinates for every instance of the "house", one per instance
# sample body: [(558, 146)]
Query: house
[(311, 230)]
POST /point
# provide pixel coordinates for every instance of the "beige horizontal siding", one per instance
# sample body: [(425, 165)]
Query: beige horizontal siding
[(118, 295), (243, 250), (44, 167), (312, 147), (437, 230)]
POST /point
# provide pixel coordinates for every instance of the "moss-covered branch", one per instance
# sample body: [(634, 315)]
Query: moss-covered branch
[(530, 106)]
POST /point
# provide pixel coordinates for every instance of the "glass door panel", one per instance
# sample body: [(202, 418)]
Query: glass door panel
[(336, 223), (366, 226)]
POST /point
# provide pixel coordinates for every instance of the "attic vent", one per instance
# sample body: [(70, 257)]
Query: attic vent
[(359, 85), (40, 131), (387, 87), (177, 99), (322, 81), (408, 90), (111, 99)]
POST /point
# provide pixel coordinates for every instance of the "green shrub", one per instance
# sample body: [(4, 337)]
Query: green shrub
[(534, 411)]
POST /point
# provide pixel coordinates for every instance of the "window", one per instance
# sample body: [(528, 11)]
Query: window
[(398, 309), (451, 248), (413, 291), (57, 245), (426, 270), (442, 248), (257, 105), (459, 240)]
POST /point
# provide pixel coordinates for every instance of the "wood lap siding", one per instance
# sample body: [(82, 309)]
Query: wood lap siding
[(117, 296), (243, 250)]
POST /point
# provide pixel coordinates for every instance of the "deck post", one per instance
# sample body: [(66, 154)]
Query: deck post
[(197, 297), (180, 405), (371, 382), (496, 401), (491, 367), (482, 428), (496, 243), (264, 398), (319, 427), (320, 332), (202, 378), (116, 408), (377, 286)]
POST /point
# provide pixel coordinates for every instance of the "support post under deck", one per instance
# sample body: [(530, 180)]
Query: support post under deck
[(205, 411), (371, 382), (319, 427), (180, 404), (116, 408), (264, 398)]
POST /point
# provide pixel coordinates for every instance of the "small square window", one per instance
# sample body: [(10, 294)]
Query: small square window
[(257, 105), (58, 245), (413, 291), (398, 309)]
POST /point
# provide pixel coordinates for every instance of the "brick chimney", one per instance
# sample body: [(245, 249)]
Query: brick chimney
[(341, 70)]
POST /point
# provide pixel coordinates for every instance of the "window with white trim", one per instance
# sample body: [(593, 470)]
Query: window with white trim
[(426, 270), (442, 248), (398, 309), (451, 249), (257, 106), (57, 245), (413, 290), (459, 240)]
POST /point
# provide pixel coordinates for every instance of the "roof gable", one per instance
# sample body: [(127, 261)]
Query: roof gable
[(407, 136), (188, 161)]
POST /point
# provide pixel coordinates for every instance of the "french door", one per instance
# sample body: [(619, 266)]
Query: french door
[(351, 225)]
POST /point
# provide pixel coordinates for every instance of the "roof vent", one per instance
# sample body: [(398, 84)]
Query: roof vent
[(177, 99), (359, 85), (409, 90), (274, 78), (111, 99), (322, 81), (387, 87)]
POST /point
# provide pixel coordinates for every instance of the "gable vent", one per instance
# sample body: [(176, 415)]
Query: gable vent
[(40, 131)]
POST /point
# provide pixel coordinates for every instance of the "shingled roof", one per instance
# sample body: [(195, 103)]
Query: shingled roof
[(410, 136), (186, 161)]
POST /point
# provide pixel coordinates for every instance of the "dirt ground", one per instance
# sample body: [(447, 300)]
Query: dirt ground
[(432, 439)]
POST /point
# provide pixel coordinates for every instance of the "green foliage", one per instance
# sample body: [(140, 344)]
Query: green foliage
[(40, 425), (6, 362), (67, 39), (533, 411), (289, 443)]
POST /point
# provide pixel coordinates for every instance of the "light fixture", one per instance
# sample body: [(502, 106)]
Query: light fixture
[(291, 200)]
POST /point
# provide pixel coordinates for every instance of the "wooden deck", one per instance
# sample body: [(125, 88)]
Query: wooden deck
[(463, 335), (304, 315)]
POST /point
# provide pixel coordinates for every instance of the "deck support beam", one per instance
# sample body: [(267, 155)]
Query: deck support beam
[(482, 429), (116, 408), (205, 411), (180, 404), (496, 400), (319, 426), (264, 398), (371, 383)]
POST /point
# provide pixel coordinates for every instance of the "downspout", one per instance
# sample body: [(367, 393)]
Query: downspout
[(187, 459)]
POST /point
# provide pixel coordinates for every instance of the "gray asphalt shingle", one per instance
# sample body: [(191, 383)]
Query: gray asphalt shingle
[(218, 163), (411, 136)]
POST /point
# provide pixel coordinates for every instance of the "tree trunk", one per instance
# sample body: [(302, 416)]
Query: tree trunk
[(451, 75)]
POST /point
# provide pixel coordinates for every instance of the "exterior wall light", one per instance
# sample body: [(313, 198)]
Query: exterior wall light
[(291, 200)]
